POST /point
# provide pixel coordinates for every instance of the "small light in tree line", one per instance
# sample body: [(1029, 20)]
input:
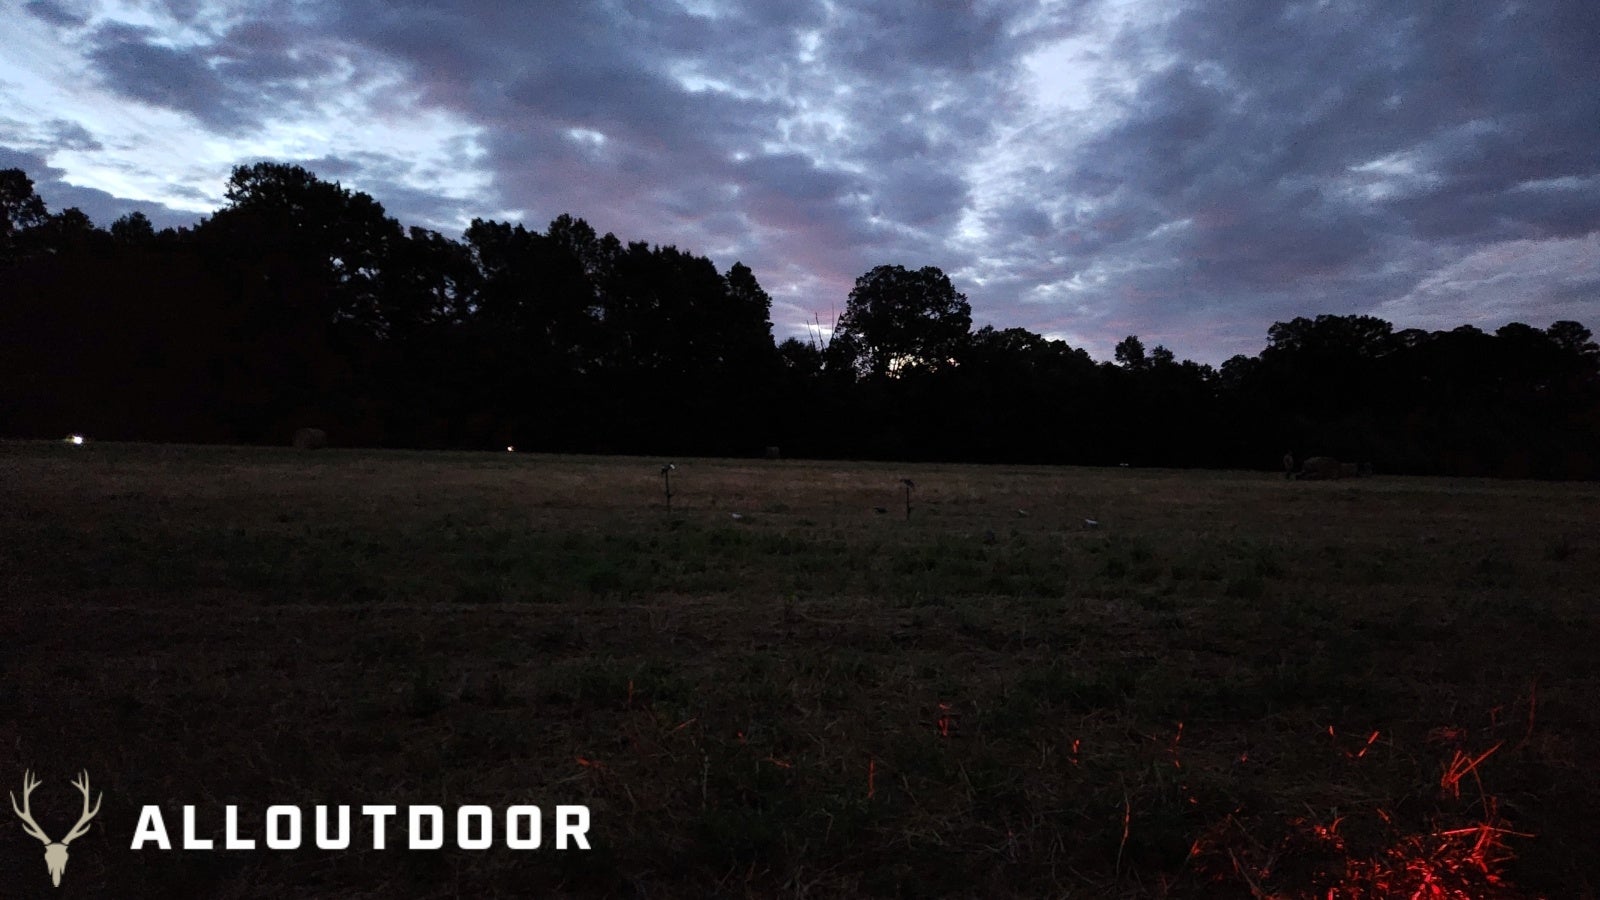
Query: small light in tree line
[(510, 449), (74, 439)]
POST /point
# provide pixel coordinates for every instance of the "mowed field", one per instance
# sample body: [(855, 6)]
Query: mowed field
[(1231, 686)]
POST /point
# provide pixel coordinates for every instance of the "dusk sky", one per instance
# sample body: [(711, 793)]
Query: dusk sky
[(1187, 172)]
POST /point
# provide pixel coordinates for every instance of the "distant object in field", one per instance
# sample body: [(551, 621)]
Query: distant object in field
[(310, 439), (1122, 465), (76, 440), (774, 453), (1022, 514), (881, 510), (1326, 468), (1288, 465), (1320, 468), (510, 449), (666, 481), (1091, 523)]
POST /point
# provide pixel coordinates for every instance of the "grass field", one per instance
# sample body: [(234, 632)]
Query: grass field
[(1234, 686)]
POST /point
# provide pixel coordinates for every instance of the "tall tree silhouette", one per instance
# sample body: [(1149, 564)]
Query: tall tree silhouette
[(133, 230), (896, 320), (319, 242), (304, 259), (1129, 353), (20, 209)]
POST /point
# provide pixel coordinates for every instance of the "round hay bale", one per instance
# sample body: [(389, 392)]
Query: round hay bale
[(310, 439), (1321, 468)]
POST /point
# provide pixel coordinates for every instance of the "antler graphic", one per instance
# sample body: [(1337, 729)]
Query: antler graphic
[(55, 852), (82, 784), (28, 824)]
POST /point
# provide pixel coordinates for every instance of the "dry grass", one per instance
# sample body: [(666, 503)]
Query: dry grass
[(1233, 686)]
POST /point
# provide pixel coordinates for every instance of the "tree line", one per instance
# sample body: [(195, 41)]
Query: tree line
[(302, 303)]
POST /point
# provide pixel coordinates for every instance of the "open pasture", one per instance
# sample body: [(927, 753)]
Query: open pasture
[(1231, 685)]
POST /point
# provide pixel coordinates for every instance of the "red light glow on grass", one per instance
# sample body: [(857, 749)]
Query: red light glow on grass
[(1376, 852), (1373, 849), (1461, 765)]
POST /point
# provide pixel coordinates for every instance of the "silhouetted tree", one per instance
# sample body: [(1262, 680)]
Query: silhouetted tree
[(133, 230), (1575, 340), (1129, 353), (801, 358), (20, 207), (69, 231), (318, 242), (744, 318), (896, 320)]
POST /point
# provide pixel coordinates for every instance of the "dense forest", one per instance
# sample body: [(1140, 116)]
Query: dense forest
[(302, 303)]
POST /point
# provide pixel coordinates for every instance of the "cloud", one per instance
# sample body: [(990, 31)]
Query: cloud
[(1269, 161), (55, 13), (101, 207), (1190, 172), (1531, 281), (130, 63), (777, 118), (57, 134), (232, 79)]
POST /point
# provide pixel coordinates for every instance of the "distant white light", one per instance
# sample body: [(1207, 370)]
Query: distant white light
[(74, 439), (510, 449)]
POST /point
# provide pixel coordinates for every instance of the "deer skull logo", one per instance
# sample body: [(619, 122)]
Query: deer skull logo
[(55, 852)]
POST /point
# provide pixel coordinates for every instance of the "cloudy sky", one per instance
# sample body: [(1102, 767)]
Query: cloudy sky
[(1187, 172)]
